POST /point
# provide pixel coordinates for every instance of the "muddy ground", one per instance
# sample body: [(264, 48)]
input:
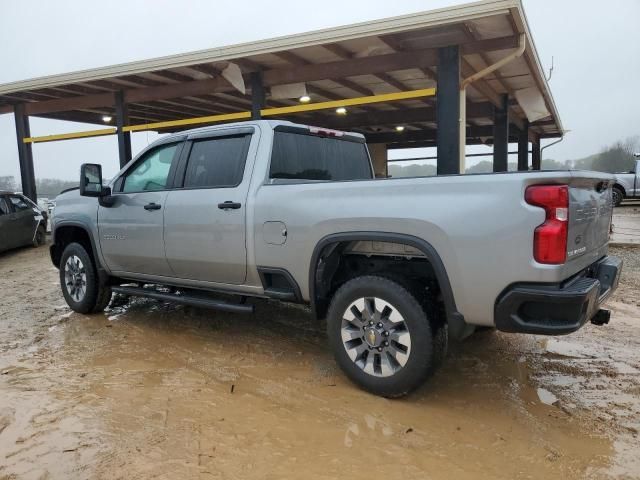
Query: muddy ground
[(148, 390), (626, 223)]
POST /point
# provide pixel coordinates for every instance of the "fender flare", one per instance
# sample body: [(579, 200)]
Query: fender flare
[(454, 317), (102, 272), (620, 187)]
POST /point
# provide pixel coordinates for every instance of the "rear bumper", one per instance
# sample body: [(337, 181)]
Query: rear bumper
[(557, 309)]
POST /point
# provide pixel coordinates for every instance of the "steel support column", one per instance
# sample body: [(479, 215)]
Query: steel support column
[(536, 158), (448, 110), (501, 136), (124, 138), (257, 95), (25, 153), (523, 148)]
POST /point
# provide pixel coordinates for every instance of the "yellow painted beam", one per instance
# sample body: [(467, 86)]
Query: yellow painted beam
[(308, 107), (70, 136), (350, 102), (189, 121)]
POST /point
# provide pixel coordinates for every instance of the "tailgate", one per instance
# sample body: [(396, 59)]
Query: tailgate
[(590, 212)]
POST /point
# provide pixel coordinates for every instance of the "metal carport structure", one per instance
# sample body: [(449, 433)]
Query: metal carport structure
[(467, 74)]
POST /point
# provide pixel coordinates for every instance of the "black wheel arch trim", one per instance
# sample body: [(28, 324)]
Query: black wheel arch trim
[(295, 288), (454, 318), (102, 272), (621, 188)]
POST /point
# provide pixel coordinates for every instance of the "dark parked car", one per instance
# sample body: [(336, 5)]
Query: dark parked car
[(22, 222)]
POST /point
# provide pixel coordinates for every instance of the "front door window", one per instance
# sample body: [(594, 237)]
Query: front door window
[(152, 173)]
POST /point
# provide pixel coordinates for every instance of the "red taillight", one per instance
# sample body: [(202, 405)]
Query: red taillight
[(550, 238)]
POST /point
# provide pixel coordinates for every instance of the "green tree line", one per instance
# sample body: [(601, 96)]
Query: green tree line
[(615, 158), (46, 187)]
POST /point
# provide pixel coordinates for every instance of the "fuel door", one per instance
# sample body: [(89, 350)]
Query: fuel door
[(274, 233)]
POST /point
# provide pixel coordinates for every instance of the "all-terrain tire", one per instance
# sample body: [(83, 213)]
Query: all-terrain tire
[(426, 351), (95, 296), (616, 197)]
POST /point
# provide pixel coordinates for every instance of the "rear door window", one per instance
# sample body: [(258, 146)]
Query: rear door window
[(217, 162), (313, 157)]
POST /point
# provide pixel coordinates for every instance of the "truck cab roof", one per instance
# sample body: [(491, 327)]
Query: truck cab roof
[(272, 124)]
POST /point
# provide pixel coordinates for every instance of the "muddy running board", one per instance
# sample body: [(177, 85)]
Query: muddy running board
[(185, 299)]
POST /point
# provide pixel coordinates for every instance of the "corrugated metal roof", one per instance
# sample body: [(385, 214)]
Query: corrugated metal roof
[(321, 53), (384, 26)]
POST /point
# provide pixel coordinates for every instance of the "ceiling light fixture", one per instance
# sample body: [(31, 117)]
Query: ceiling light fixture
[(107, 118), (400, 128), (341, 111), (305, 99)]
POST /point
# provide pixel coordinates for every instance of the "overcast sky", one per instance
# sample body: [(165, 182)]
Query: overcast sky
[(595, 45)]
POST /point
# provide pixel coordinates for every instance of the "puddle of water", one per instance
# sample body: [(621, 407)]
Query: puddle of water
[(178, 393), (546, 396), (185, 392), (42, 436)]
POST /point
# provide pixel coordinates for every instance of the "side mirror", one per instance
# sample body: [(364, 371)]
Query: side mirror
[(91, 180)]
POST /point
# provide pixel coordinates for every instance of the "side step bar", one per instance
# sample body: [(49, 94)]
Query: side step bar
[(185, 299)]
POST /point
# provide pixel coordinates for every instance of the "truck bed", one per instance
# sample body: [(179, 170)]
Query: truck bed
[(480, 225)]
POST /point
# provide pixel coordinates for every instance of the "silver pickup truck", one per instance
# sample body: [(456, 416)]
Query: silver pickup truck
[(626, 185), (278, 210)]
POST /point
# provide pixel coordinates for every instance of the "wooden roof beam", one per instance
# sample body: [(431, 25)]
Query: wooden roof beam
[(385, 77), (428, 135), (297, 61), (487, 90), (345, 54), (402, 117), (352, 67), (303, 73)]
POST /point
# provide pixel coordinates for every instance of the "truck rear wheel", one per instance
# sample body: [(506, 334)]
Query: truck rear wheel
[(80, 282), (381, 336)]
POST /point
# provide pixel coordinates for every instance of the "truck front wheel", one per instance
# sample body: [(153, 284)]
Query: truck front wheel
[(616, 196), (80, 282), (381, 336)]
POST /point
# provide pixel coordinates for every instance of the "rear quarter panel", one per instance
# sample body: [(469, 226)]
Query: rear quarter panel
[(480, 226)]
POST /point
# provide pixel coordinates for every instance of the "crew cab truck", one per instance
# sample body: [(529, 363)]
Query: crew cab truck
[(626, 185), (396, 266)]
